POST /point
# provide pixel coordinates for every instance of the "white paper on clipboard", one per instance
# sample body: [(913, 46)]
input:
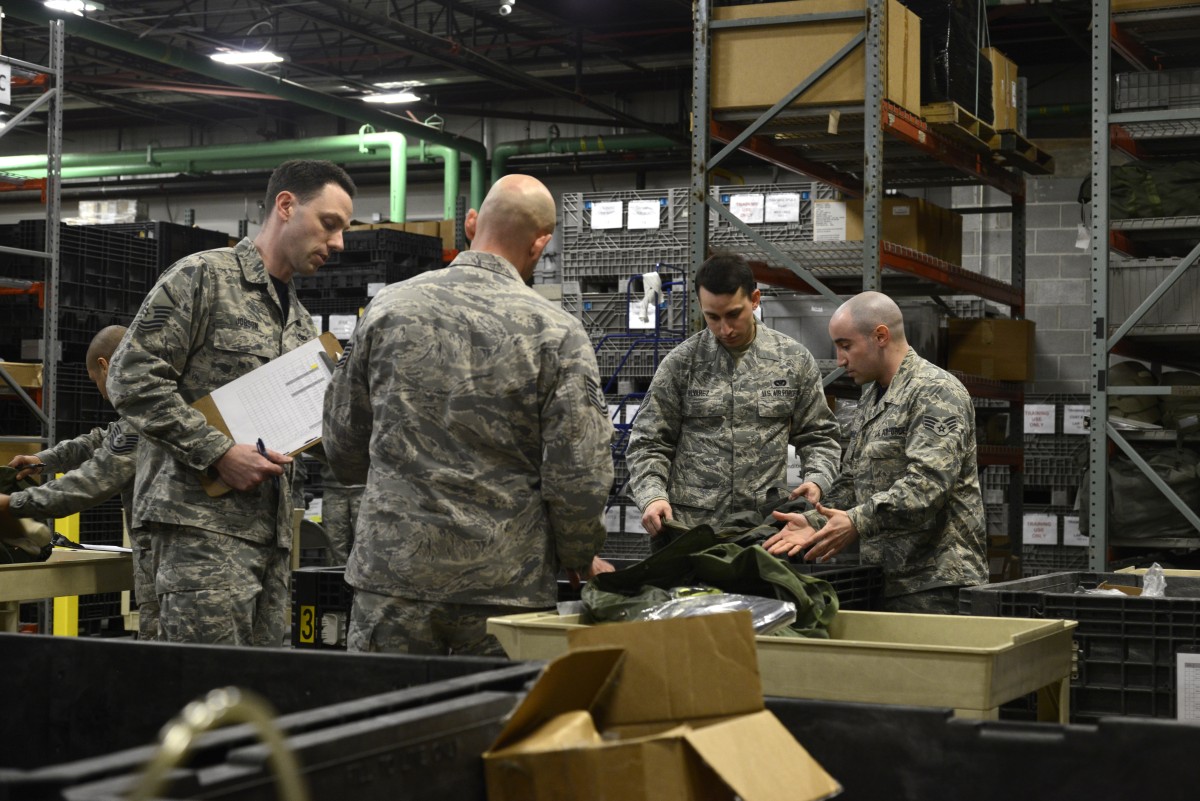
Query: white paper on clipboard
[(280, 403)]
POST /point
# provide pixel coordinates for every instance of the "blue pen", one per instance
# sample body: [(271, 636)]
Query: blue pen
[(262, 450)]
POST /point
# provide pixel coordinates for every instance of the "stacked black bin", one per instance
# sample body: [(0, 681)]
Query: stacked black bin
[(952, 68)]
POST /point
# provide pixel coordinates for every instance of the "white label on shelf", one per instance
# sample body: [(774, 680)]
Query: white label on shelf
[(314, 509), (374, 287), (1039, 418), (1075, 418), (747, 208), (1071, 535), (636, 323), (317, 321), (783, 207), (342, 325), (633, 520), (612, 519), (643, 214), (607, 214), (614, 413), (829, 221), (6, 84), (1039, 529), (1187, 687), (901, 210)]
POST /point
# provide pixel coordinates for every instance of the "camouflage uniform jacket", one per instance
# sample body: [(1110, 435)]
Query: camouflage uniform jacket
[(471, 408), (212, 317), (108, 470), (711, 436), (70, 453), (910, 482)]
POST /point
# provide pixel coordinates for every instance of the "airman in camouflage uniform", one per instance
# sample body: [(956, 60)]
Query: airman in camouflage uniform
[(98, 465), (224, 562), (339, 514), (471, 408), (711, 439), (909, 486)]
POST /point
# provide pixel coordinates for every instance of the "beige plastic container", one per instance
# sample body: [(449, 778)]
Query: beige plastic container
[(970, 664)]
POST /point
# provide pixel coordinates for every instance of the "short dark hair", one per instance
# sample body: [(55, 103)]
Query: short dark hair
[(305, 179), (725, 274)]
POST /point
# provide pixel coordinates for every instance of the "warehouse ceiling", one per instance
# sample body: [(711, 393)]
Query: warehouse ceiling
[(463, 58)]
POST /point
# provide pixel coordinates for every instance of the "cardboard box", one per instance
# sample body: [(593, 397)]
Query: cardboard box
[(912, 223), (969, 664), (27, 376), (1004, 90), (429, 228), (655, 710), (998, 349), (756, 67), (446, 231)]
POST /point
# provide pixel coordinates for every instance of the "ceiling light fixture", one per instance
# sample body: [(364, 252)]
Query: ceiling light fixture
[(393, 97), (246, 57), (76, 7), (506, 8)]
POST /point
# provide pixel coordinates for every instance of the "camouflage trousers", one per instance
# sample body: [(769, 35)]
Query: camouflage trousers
[(145, 568), (339, 511), (381, 623), (218, 589), (938, 601)]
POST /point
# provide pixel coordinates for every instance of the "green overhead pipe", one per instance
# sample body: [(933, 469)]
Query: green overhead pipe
[(502, 152), (351, 148), (357, 111)]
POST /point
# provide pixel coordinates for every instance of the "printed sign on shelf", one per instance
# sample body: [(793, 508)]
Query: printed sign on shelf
[(1040, 529)]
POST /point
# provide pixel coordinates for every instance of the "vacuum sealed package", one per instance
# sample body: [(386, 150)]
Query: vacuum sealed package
[(768, 614)]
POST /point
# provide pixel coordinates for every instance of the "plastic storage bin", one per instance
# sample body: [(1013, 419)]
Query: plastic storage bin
[(972, 665)]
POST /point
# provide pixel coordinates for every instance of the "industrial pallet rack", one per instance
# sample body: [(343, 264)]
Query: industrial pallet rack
[(1154, 316)]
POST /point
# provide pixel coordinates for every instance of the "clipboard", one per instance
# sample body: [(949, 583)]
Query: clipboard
[(330, 351)]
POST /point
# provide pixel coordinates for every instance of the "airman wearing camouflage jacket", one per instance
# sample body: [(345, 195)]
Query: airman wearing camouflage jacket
[(711, 438), (470, 406), (910, 481)]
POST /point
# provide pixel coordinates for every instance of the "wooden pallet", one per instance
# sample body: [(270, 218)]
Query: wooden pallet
[(1007, 148)]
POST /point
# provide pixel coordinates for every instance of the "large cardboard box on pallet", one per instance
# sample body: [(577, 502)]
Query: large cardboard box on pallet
[(653, 710), (971, 665), (756, 67), (998, 349), (912, 223), (1004, 90)]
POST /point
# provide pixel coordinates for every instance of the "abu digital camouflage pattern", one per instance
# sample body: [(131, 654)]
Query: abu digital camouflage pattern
[(380, 623), (468, 405), (711, 436), (211, 318), (339, 514), (69, 454), (910, 482)]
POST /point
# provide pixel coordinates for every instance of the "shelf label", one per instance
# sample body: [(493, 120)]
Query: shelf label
[(1039, 529), (317, 321), (634, 318), (1071, 535), (747, 208), (342, 325), (783, 207), (633, 520), (1187, 687), (829, 221), (1075, 418), (6, 84), (1039, 418), (607, 215), (643, 214)]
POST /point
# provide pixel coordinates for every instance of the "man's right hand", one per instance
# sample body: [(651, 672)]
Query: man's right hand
[(21, 463), (655, 514), (242, 467)]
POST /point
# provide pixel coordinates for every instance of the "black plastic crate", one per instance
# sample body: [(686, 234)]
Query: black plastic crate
[(79, 730), (327, 306), (858, 586), (388, 240), (99, 606), (172, 241), (321, 601), (1127, 645)]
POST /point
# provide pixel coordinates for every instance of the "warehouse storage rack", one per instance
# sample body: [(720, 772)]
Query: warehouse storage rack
[(875, 145), (1145, 279)]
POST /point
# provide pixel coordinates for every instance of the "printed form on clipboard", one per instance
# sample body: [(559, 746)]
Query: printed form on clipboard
[(280, 402)]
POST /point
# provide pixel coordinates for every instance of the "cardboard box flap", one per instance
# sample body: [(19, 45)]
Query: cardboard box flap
[(682, 669), (758, 759), (575, 681)]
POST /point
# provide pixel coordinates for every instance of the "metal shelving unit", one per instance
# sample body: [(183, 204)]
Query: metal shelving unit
[(1146, 40), (877, 145), (51, 99)]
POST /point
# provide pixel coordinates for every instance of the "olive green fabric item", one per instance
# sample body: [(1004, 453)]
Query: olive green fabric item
[(20, 540), (703, 556)]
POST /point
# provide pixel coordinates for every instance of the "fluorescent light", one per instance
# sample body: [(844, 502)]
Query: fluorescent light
[(394, 97), (76, 7), (247, 57)]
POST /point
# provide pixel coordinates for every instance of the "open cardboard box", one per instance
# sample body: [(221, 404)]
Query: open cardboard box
[(652, 710)]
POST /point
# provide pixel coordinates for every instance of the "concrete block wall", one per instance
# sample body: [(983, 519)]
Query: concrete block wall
[(1057, 274)]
